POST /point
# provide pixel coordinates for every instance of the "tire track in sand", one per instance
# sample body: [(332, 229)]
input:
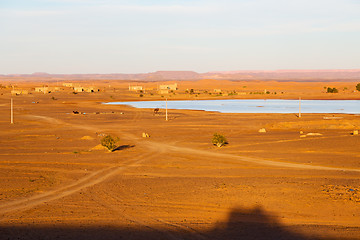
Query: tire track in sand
[(252, 160), (157, 146), (118, 205), (87, 181)]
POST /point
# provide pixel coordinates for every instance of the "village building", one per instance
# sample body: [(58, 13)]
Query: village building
[(168, 86), (91, 89), (135, 88), (78, 89), (67, 84), (43, 89), (163, 91), (19, 92)]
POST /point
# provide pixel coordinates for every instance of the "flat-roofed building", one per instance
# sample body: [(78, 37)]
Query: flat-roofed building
[(19, 92), (68, 84), (42, 89), (135, 88), (163, 91), (91, 89), (78, 89), (168, 86)]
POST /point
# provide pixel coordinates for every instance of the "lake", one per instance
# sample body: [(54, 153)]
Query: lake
[(255, 105)]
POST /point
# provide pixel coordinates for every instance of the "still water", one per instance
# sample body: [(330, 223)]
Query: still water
[(255, 105)]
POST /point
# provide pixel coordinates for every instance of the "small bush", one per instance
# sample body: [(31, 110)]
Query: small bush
[(109, 142), (219, 140), (332, 90), (358, 87)]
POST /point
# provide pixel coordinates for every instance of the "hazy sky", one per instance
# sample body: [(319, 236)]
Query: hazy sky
[(133, 36)]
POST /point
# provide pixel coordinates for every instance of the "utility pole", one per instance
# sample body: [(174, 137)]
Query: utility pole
[(166, 114), (299, 107), (11, 112)]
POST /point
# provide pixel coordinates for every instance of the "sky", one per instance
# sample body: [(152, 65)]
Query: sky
[(139, 36)]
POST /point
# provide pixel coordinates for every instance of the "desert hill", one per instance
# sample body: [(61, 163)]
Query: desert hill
[(278, 75)]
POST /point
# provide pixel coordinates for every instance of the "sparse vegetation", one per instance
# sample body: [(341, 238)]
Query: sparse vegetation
[(358, 87), (109, 142), (219, 140)]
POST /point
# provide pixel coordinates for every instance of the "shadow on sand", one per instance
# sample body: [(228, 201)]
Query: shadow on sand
[(122, 147), (241, 224)]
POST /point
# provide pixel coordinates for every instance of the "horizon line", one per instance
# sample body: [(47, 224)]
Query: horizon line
[(218, 71)]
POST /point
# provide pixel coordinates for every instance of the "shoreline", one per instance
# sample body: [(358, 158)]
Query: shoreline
[(214, 108)]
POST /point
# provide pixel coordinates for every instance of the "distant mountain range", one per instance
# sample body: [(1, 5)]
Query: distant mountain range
[(278, 75)]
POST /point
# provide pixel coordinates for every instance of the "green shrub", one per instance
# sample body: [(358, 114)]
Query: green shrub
[(219, 140), (332, 90), (358, 87), (109, 142)]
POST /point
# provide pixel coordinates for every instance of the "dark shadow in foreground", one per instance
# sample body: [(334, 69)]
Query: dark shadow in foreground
[(242, 224)]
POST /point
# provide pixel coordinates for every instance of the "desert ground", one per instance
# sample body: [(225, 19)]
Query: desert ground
[(298, 180)]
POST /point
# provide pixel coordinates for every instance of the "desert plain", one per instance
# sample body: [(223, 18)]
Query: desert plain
[(297, 180)]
